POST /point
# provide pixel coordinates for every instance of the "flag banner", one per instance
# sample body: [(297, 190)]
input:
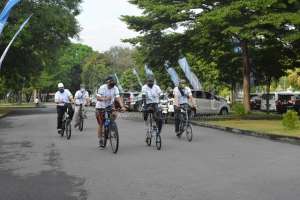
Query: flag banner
[(137, 76), (13, 39), (194, 81), (5, 13), (119, 84), (173, 74)]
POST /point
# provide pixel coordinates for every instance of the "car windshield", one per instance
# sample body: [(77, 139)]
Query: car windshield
[(271, 96)]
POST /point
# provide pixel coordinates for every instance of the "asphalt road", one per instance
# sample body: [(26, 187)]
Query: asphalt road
[(37, 164)]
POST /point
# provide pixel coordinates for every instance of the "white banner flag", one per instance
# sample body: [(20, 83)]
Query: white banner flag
[(13, 39)]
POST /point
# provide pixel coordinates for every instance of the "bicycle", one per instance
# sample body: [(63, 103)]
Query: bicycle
[(152, 132), (82, 116), (185, 124), (110, 130), (66, 125)]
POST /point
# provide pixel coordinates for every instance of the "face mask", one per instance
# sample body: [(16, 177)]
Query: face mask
[(61, 90), (150, 85), (111, 85)]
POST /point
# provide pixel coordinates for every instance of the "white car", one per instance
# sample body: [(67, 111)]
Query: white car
[(209, 104)]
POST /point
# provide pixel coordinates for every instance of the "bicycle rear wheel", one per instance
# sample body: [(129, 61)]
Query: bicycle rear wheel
[(189, 133), (114, 137), (68, 129), (158, 141)]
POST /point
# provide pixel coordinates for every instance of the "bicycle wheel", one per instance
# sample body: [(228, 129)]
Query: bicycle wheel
[(62, 132), (189, 133), (68, 129), (114, 137), (81, 124), (158, 141)]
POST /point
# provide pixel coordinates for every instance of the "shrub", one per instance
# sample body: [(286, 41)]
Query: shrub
[(290, 120), (239, 109)]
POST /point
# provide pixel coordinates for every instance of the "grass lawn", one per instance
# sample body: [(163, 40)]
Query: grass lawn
[(262, 126)]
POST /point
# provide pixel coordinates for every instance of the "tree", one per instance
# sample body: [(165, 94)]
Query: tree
[(213, 29), (95, 70), (51, 27)]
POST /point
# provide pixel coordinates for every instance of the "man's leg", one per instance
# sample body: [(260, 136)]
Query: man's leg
[(70, 111), (99, 116), (77, 120), (60, 113), (158, 117), (177, 120)]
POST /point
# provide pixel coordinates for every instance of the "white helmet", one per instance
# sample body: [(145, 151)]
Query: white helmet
[(60, 85)]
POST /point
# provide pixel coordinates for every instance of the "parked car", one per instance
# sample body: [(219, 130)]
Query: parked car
[(130, 99), (295, 103), (255, 101), (278, 101), (208, 103)]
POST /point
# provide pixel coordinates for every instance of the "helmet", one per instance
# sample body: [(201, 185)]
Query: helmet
[(60, 85), (150, 78), (110, 78)]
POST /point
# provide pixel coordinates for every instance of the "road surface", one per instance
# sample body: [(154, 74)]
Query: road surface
[(36, 163)]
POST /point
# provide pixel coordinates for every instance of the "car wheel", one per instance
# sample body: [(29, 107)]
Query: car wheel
[(224, 111)]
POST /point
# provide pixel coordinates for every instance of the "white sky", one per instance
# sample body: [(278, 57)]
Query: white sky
[(101, 25)]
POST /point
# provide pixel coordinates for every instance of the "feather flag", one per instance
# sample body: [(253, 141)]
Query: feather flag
[(5, 13), (13, 39), (194, 81), (119, 84), (173, 74), (137, 76)]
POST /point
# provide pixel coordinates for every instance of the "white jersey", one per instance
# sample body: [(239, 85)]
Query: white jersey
[(104, 91), (152, 94), (62, 98), (182, 99), (81, 97)]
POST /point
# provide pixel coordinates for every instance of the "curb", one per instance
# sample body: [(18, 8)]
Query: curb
[(273, 137), (4, 115)]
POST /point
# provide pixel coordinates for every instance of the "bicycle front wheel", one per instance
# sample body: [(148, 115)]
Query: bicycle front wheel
[(189, 133), (114, 137), (81, 124), (158, 141), (68, 130)]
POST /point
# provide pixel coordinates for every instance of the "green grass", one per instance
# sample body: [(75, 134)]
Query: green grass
[(262, 126)]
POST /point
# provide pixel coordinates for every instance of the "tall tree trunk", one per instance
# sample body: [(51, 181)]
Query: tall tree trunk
[(246, 75), (233, 94)]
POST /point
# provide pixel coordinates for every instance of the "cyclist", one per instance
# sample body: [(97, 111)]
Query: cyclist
[(81, 99), (151, 93), (63, 99), (107, 94), (182, 96)]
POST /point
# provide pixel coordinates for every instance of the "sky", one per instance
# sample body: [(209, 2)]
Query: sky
[(101, 25)]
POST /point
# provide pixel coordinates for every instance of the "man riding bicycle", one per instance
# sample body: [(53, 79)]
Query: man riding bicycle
[(63, 99), (81, 99), (151, 93), (182, 96), (106, 96)]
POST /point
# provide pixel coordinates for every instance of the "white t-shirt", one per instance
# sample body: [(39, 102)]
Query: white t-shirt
[(62, 98), (104, 91), (152, 94), (182, 99), (81, 97)]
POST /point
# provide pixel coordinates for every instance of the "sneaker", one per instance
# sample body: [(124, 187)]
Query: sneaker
[(59, 131), (101, 143), (178, 134)]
